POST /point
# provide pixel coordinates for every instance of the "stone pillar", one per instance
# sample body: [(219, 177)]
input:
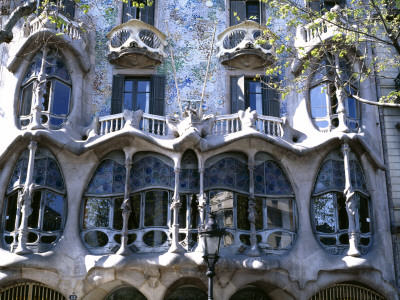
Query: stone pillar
[(24, 202), (126, 209), (39, 92), (202, 197), (252, 213), (175, 206), (351, 205), (341, 97)]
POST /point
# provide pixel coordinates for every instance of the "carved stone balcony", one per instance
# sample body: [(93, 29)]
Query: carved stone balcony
[(317, 33), (245, 46), (136, 44)]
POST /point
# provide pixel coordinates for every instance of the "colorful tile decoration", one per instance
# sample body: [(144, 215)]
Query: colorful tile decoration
[(109, 178), (151, 171), (269, 179)]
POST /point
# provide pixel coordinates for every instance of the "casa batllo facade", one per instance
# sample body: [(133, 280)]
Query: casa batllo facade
[(105, 177)]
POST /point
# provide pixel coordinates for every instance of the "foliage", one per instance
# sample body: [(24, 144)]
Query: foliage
[(363, 32)]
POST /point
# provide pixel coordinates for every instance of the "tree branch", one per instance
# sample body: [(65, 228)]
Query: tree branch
[(375, 103), (27, 9)]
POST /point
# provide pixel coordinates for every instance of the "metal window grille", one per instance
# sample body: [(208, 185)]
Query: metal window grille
[(346, 291), (30, 291)]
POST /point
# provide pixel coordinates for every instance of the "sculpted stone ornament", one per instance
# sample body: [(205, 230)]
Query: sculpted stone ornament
[(132, 118), (248, 118), (24, 201), (190, 128)]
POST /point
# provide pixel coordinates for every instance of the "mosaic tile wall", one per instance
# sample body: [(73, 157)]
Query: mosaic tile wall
[(191, 25)]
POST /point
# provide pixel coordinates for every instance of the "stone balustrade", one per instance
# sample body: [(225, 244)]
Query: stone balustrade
[(248, 38), (129, 41), (157, 125)]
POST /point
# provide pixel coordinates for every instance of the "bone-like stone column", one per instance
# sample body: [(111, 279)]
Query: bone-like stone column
[(175, 206), (24, 203), (202, 197), (252, 213), (39, 92), (126, 207), (351, 205), (341, 97)]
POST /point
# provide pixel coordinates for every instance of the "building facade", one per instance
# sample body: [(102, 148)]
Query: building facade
[(105, 177)]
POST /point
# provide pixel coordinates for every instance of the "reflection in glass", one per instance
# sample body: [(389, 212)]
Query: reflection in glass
[(33, 219), (324, 213), (221, 202), (319, 108), (61, 98), (11, 212), (243, 213), (53, 208), (279, 240), (280, 213), (363, 213), (155, 238), (156, 208), (96, 238), (96, 212)]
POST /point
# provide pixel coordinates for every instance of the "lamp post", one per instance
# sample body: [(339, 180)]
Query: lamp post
[(210, 236)]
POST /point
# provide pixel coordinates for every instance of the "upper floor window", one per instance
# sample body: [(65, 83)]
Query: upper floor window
[(323, 95), (142, 10), (258, 95), (134, 93), (65, 7), (46, 222), (331, 222), (55, 102), (324, 5), (242, 10)]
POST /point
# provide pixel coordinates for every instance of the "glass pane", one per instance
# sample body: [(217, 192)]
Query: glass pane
[(142, 101), (319, 107), (96, 238), (187, 293), (96, 212), (118, 222), (280, 213), (134, 217), (333, 98), (254, 87), (46, 96), (11, 212), (352, 110), (128, 293), (53, 210), (252, 11), (182, 212), (33, 219), (61, 96), (60, 69), (155, 238), (156, 208), (128, 101), (56, 121), (363, 212), (221, 202), (342, 212), (144, 86), (279, 240), (128, 86), (324, 213), (194, 212), (26, 100), (250, 293)]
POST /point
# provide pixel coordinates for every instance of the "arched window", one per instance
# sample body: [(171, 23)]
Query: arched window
[(189, 181), (330, 216), (55, 103), (187, 293), (323, 95), (126, 293), (151, 182), (30, 290), (46, 222), (347, 291), (250, 293)]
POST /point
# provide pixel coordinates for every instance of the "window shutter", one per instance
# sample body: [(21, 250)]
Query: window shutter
[(147, 13), (238, 12), (157, 97), (69, 8), (237, 94), (271, 105), (116, 97)]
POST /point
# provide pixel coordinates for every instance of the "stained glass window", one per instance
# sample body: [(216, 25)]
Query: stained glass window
[(45, 223)]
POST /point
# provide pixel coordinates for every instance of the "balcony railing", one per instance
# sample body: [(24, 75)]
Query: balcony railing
[(223, 125), (248, 37), (65, 26), (135, 37), (317, 33)]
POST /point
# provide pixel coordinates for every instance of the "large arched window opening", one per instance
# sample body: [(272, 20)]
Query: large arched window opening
[(126, 293), (323, 94), (187, 293), (189, 184), (226, 182), (347, 290), (30, 290), (330, 217), (151, 183), (250, 293), (274, 199), (56, 96), (48, 202)]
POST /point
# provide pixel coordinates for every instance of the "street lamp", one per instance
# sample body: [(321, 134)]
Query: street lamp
[(210, 236)]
